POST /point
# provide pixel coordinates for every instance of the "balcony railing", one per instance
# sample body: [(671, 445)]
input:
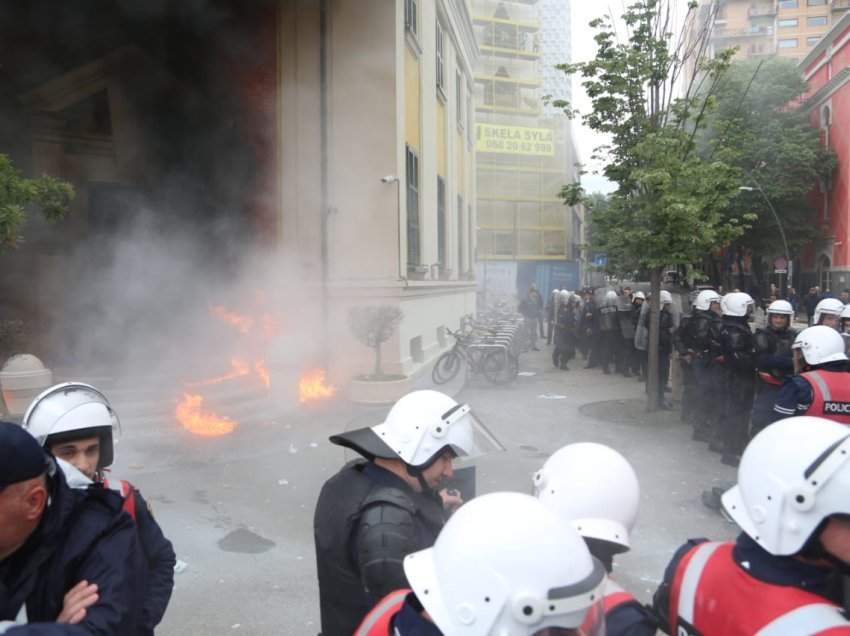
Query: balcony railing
[(762, 10), (840, 5)]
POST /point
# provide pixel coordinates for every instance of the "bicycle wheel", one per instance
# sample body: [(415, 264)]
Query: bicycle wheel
[(498, 368), (447, 367)]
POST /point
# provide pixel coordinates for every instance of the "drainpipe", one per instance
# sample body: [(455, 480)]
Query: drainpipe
[(323, 169)]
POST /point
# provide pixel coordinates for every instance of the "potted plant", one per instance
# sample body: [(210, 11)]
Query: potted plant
[(373, 325)]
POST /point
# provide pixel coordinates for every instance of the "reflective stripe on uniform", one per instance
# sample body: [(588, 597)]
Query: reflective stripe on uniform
[(809, 619), (390, 604), (691, 578), (824, 389)]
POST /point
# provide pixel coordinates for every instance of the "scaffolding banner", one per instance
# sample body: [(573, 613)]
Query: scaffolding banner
[(515, 140)]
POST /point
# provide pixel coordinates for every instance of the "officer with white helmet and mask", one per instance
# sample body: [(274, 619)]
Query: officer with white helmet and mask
[(378, 509), (737, 373), (828, 312), (774, 361), (792, 502), (822, 384), (77, 424), (504, 565), (595, 489)]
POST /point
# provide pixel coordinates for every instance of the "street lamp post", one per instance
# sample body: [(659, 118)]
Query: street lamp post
[(788, 264)]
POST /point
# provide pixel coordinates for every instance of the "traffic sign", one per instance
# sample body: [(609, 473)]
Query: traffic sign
[(780, 271), (600, 259), (780, 263)]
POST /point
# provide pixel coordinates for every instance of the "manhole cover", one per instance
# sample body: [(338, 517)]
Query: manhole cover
[(628, 412), (245, 541)]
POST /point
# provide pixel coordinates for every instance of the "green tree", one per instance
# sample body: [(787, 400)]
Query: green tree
[(16, 193), (669, 203), (758, 128), (373, 325)]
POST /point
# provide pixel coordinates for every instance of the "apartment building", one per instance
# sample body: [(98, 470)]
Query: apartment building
[(525, 152), (788, 28)]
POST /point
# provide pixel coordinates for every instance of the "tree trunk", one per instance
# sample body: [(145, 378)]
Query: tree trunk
[(652, 347), (378, 371)]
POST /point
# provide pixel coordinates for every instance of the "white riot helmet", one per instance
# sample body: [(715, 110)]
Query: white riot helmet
[(792, 475), (593, 487), (564, 296), (781, 308), (638, 294), (844, 318), (505, 564), (665, 298), (419, 428), (820, 344), (705, 298), (610, 295), (736, 304), (828, 306), (72, 411)]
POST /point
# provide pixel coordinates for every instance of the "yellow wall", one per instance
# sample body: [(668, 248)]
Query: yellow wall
[(412, 115)]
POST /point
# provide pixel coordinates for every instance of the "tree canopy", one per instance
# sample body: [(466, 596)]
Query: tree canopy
[(16, 193)]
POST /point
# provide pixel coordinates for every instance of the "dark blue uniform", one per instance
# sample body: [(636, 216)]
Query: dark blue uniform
[(83, 535)]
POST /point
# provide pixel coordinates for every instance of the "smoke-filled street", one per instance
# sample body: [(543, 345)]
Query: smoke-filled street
[(239, 507)]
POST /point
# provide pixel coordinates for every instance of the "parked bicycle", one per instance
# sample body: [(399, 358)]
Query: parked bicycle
[(488, 355)]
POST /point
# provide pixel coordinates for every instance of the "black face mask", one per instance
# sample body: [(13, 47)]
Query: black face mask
[(814, 549)]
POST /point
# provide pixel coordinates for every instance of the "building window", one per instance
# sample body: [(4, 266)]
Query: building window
[(460, 103), (816, 3), (790, 43), (470, 114), (789, 22), (812, 41), (460, 263), (787, 4), (412, 171), (441, 72), (411, 18), (818, 20), (441, 222)]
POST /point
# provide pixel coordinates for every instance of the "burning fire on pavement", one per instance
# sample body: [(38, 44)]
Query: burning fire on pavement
[(252, 340)]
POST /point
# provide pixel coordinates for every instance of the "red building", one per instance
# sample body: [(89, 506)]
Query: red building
[(826, 261)]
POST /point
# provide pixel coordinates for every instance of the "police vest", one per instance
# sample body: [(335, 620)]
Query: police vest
[(831, 391), (712, 594), (377, 622)]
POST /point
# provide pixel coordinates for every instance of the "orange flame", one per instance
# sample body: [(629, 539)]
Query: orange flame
[(238, 368), (263, 371), (243, 323), (312, 386), (190, 414)]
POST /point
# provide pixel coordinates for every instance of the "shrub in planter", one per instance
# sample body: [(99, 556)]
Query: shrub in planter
[(373, 325)]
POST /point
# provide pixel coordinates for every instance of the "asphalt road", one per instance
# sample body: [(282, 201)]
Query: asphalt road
[(239, 508)]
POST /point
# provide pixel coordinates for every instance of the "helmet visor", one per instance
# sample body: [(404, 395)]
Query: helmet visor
[(465, 434)]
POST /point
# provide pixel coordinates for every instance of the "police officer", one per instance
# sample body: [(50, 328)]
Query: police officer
[(792, 502), (609, 336), (822, 386), (828, 312), (774, 361), (595, 489), (551, 314), (638, 356), (666, 327), (737, 374), (75, 423), (697, 343), (379, 509), (504, 564), (56, 542), (565, 331)]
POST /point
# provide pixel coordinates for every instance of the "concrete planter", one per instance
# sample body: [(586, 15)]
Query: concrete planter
[(377, 391), (22, 379)]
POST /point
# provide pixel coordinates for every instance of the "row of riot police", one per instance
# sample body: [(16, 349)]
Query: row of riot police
[(736, 380)]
